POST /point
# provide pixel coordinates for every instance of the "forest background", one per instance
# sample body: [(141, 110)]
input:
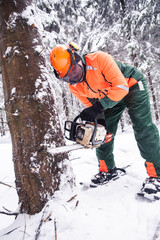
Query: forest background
[(129, 30)]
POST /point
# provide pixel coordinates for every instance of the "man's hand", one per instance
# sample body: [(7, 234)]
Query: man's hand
[(92, 113)]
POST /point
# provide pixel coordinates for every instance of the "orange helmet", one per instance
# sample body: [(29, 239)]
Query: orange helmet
[(60, 59)]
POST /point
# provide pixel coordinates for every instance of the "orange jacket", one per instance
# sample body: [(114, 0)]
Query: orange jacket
[(104, 81)]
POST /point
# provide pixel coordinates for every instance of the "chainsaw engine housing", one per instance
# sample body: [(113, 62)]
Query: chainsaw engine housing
[(88, 134)]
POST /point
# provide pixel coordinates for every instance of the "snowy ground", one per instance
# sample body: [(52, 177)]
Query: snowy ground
[(107, 212)]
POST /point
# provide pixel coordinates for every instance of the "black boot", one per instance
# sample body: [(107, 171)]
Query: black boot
[(151, 186), (102, 178), (150, 189)]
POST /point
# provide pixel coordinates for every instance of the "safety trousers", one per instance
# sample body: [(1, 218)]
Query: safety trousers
[(145, 131)]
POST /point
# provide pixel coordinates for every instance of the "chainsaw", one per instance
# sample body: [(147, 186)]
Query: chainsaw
[(85, 134)]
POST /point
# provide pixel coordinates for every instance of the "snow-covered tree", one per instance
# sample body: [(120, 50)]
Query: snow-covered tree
[(30, 106)]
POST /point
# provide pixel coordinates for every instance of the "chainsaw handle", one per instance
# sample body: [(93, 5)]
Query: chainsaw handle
[(94, 133), (71, 130), (76, 118)]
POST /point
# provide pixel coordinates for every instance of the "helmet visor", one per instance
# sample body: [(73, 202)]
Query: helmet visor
[(75, 75)]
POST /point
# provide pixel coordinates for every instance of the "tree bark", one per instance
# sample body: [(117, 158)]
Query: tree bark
[(32, 116), (156, 111)]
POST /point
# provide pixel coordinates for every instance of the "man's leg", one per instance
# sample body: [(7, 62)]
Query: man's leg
[(146, 133), (105, 152)]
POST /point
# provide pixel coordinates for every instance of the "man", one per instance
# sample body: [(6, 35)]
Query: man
[(105, 85)]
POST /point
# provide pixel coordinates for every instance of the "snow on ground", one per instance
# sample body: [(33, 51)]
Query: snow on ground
[(108, 212), (8, 196)]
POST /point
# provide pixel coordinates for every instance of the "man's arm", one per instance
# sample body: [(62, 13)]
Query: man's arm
[(118, 85)]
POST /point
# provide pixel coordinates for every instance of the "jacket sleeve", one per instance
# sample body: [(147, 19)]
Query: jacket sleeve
[(83, 99), (118, 85)]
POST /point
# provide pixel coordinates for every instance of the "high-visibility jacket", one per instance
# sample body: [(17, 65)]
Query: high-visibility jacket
[(107, 80)]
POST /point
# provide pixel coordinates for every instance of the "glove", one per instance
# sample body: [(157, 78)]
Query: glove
[(91, 113)]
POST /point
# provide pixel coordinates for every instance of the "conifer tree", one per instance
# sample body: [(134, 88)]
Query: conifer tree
[(31, 113)]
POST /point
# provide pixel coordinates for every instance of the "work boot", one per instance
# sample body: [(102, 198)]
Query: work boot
[(151, 186), (102, 178)]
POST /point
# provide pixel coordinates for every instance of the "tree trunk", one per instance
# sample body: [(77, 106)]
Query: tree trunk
[(123, 6), (156, 112), (30, 107)]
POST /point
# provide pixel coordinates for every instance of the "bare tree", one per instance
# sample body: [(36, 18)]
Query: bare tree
[(29, 102)]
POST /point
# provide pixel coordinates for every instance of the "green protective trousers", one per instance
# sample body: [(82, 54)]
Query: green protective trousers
[(146, 133)]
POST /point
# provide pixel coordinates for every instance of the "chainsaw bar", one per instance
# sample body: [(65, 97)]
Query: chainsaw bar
[(63, 149)]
